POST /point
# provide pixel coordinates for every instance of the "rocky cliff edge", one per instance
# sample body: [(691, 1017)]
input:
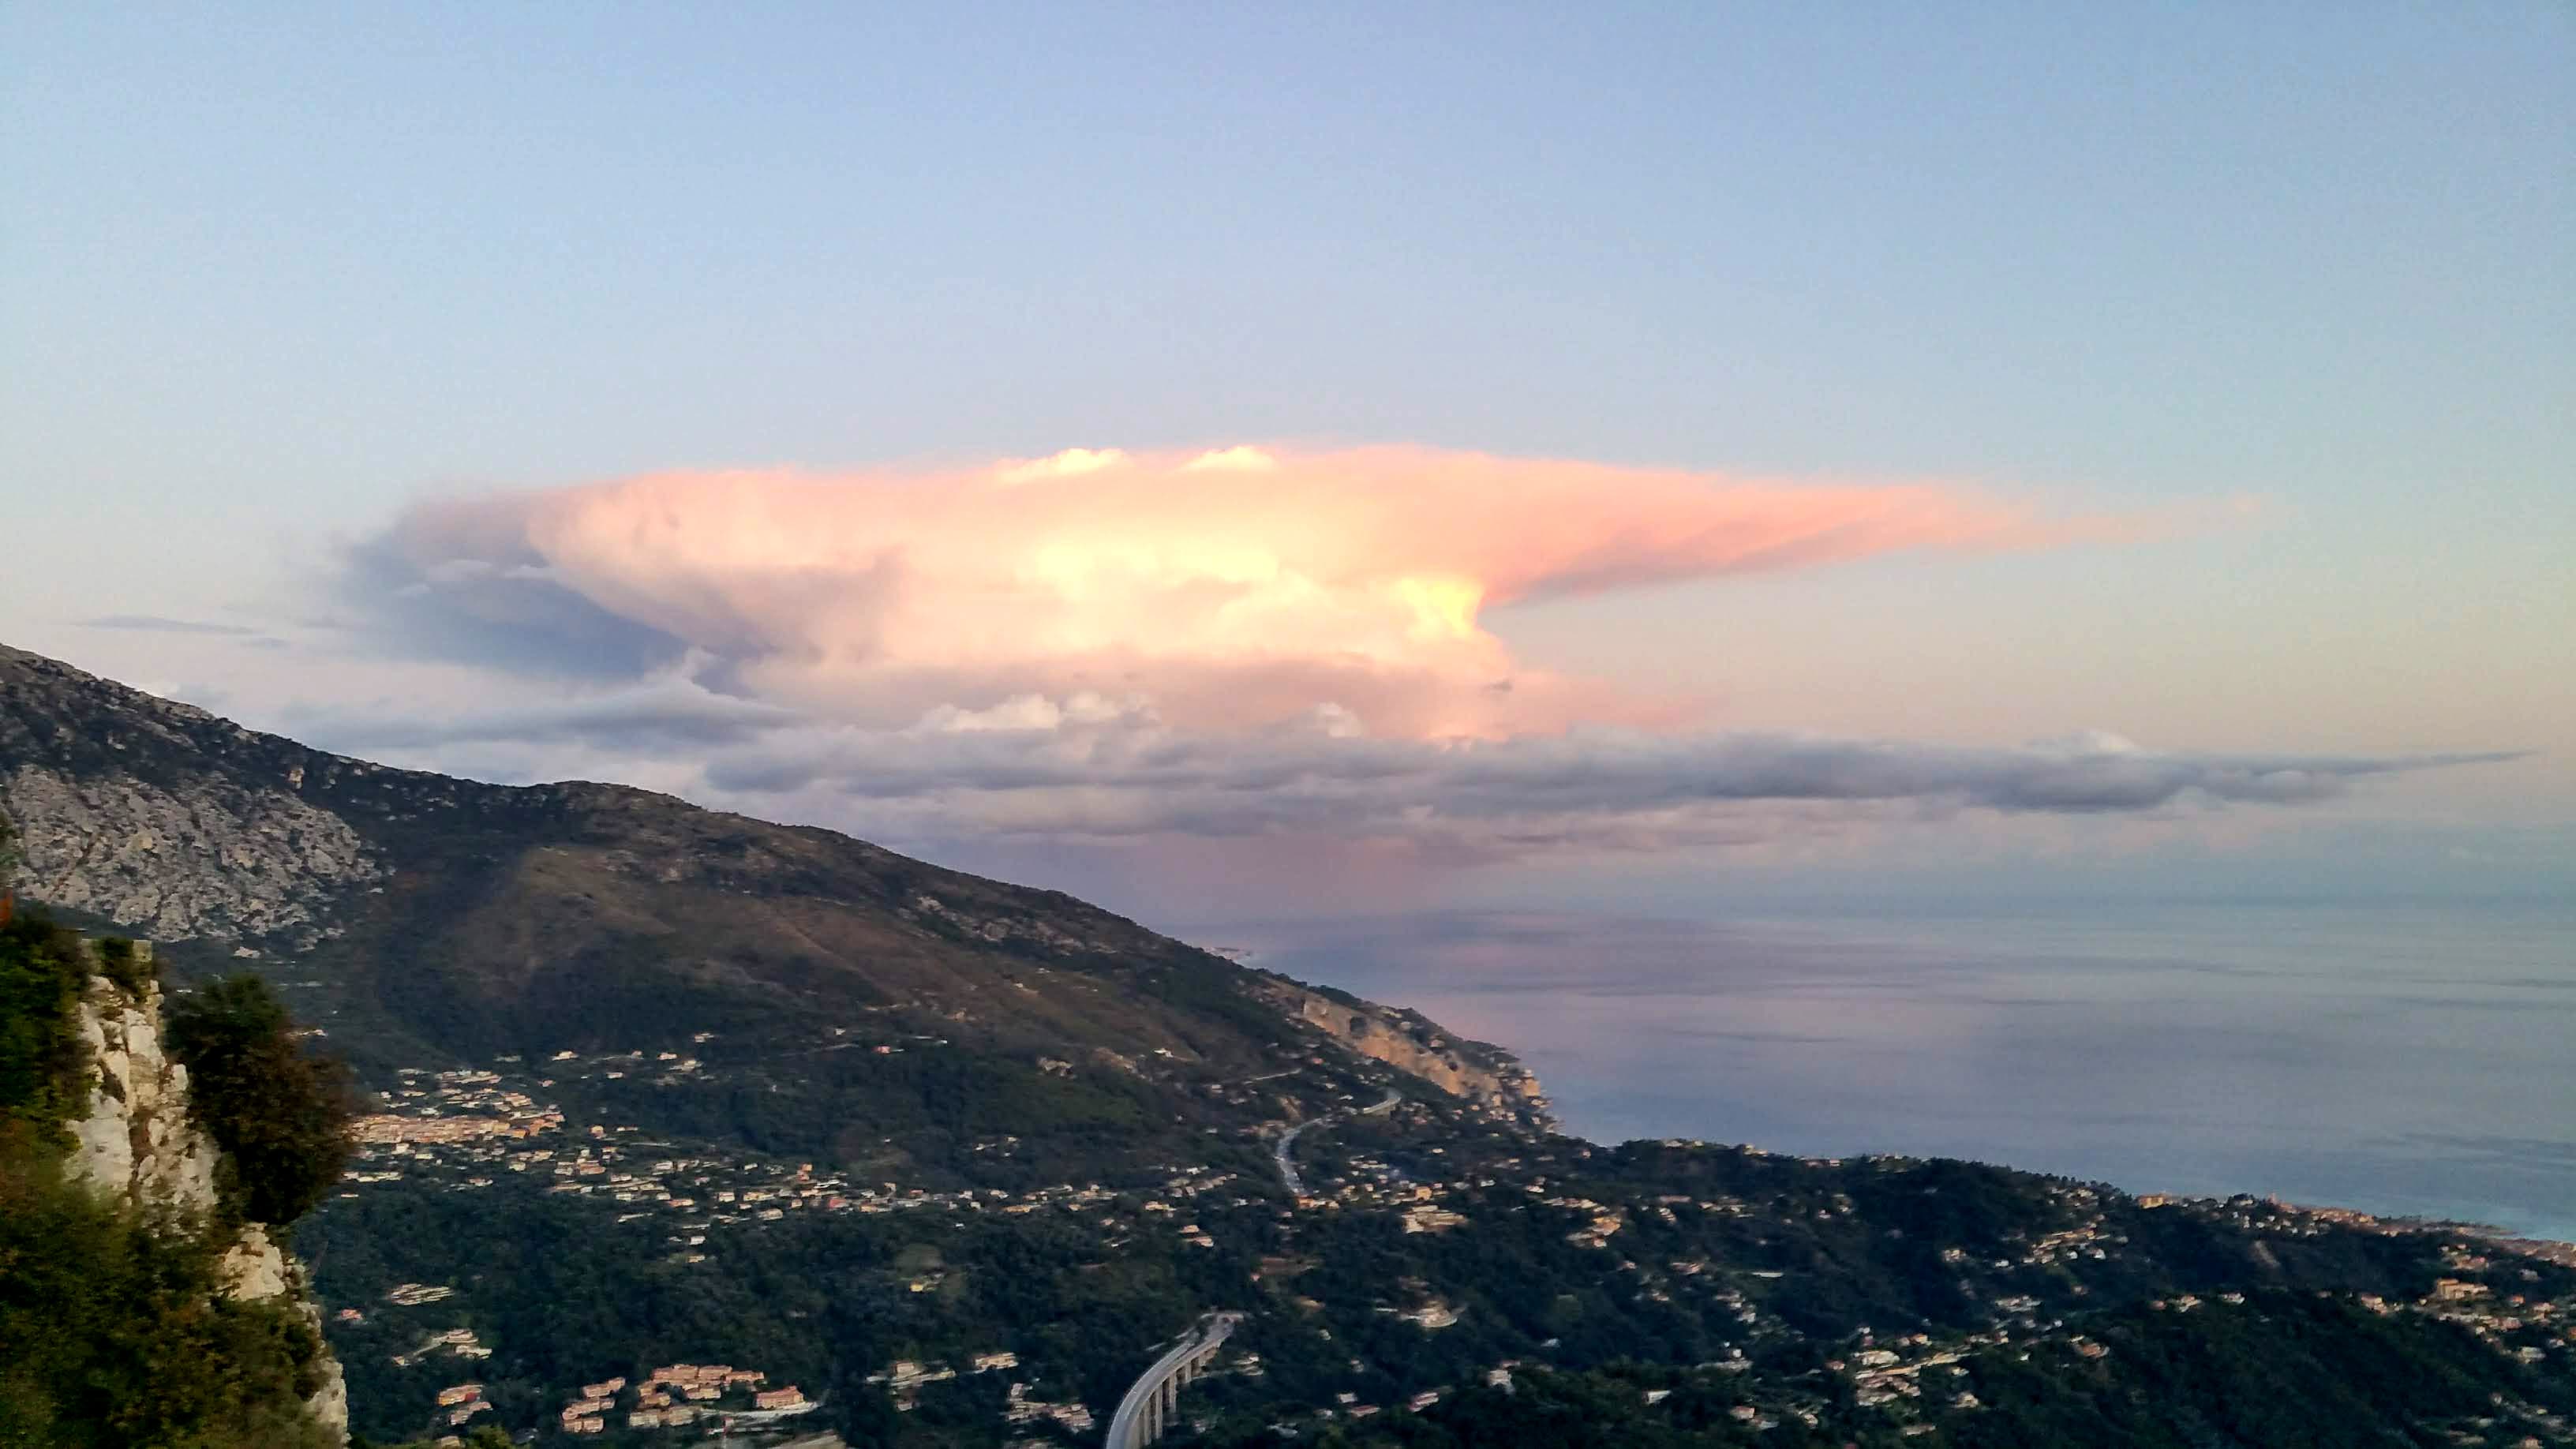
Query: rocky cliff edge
[(138, 1145), (1478, 1073)]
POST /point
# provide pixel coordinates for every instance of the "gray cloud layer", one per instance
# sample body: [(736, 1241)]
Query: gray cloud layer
[(1144, 779), (458, 582), (665, 713), (1095, 768), (157, 624)]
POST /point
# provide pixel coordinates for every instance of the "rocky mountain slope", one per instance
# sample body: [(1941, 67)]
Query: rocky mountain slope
[(441, 920)]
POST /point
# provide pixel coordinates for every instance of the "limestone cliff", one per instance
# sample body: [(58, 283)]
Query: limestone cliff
[(138, 1145), (197, 859), (1410, 1042)]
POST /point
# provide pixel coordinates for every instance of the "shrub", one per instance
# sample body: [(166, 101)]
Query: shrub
[(41, 974), (115, 1333), (133, 969), (280, 1114)]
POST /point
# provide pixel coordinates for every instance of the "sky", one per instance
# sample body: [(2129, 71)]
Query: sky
[(1324, 460)]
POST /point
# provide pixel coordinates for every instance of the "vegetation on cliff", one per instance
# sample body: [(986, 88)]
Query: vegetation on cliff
[(115, 1326), (41, 973), (115, 1332), (280, 1114)]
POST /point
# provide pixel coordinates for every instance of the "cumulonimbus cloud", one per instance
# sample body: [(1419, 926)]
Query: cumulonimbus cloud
[(1234, 588), (1232, 643)]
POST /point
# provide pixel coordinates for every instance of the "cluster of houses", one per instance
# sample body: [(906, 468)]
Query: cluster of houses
[(437, 1136), (2488, 1285), (461, 1402), (454, 1106), (1909, 1367), (904, 1377), (2527, 1325), (1019, 1409), (1426, 1217), (679, 1395)]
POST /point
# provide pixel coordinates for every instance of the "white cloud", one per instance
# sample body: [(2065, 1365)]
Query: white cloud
[(1241, 458), (1071, 463)]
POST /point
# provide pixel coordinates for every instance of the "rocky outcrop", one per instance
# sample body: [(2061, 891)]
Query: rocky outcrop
[(1412, 1043), (137, 1144), (256, 1268), (207, 859)]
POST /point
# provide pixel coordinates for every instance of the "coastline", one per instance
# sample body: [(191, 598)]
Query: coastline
[(2400, 1061)]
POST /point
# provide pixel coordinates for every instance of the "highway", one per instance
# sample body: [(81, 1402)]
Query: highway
[(1288, 1169), (1146, 1411)]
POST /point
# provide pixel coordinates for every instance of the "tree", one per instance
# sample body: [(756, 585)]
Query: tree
[(41, 1057), (281, 1114)]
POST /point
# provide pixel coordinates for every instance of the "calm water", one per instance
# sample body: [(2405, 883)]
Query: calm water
[(2399, 1059)]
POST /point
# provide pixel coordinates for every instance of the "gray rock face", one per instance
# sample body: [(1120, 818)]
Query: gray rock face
[(137, 1145), (216, 860), (256, 1268), (137, 1142), (1410, 1042)]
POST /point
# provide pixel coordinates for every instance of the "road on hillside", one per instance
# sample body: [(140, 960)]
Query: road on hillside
[(1288, 1170), (1127, 1426)]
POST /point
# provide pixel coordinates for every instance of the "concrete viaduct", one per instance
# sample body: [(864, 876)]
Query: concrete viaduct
[(1151, 1404)]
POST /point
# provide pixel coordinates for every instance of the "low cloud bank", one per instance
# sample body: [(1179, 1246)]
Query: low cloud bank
[(1092, 766)]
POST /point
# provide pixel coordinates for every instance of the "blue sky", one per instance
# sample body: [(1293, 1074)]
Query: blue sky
[(2285, 292)]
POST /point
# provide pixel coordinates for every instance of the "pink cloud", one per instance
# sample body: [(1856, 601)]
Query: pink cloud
[(1230, 588)]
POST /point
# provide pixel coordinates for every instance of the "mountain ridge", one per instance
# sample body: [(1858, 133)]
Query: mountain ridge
[(227, 843)]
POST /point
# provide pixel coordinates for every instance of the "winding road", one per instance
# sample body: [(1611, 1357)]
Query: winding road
[(1287, 1169), (1288, 1139)]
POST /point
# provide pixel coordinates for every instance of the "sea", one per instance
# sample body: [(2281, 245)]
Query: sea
[(2407, 1059)]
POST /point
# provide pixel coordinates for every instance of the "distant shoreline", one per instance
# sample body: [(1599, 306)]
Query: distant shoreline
[(2556, 1250), (2198, 1048)]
